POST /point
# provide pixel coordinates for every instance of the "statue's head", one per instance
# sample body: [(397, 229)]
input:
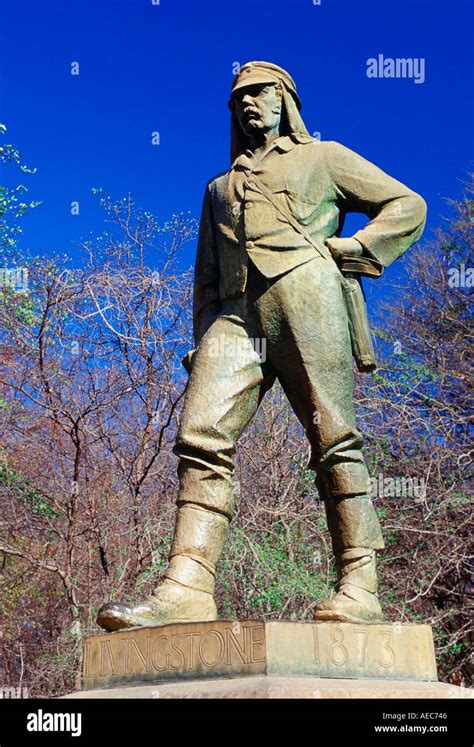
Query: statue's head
[(263, 96)]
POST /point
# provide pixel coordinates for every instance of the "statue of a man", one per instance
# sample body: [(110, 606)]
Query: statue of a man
[(267, 267)]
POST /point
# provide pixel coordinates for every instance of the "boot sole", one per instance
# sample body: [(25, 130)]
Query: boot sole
[(113, 621), (342, 617)]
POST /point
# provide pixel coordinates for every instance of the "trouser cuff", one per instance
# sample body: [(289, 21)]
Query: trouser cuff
[(206, 487), (198, 542), (357, 567), (190, 571), (344, 479)]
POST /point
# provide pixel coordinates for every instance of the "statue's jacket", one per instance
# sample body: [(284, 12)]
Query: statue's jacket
[(318, 182)]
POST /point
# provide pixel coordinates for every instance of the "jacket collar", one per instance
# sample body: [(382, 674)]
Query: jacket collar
[(283, 144), (288, 142)]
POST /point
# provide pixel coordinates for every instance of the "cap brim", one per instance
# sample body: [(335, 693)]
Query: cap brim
[(254, 79)]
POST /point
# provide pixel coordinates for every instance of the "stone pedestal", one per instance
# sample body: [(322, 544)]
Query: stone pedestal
[(254, 648), (271, 687)]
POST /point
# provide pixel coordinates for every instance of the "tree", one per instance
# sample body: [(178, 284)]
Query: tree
[(417, 411), (87, 476), (93, 392)]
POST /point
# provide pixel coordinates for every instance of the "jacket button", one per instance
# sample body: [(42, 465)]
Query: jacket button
[(250, 245), (249, 204)]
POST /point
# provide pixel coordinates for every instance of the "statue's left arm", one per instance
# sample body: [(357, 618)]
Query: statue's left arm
[(397, 214)]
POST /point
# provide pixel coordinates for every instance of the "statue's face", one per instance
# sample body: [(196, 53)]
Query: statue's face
[(258, 108)]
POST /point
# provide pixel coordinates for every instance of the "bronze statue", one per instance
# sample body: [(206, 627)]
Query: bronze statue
[(270, 264)]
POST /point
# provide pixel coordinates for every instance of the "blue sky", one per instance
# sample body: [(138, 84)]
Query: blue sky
[(168, 68)]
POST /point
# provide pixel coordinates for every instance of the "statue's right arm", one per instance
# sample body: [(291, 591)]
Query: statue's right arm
[(206, 276)]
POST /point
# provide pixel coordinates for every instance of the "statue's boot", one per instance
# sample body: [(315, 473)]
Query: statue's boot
[(356, 599), (186, 593), (356, 535)]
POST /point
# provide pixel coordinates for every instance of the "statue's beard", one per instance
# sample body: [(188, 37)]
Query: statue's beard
[(252, 123), (255, 125)]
